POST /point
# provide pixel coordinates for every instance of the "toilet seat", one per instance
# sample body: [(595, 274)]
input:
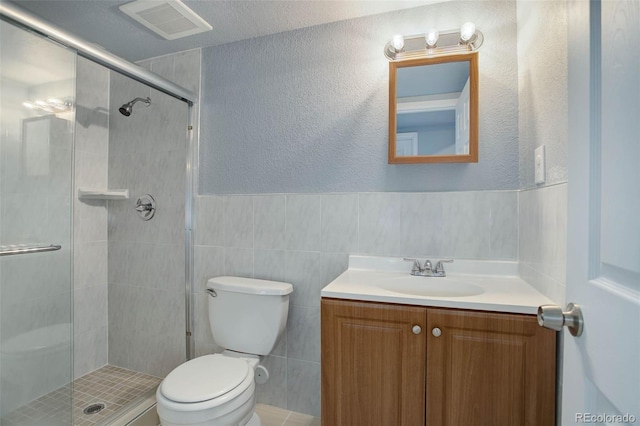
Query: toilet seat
[(206, 378), (235, 399)]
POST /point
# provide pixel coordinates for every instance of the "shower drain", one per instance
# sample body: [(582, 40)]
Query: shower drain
[(94, 408)]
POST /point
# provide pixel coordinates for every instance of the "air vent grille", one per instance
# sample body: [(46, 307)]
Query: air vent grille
[(171, 19)]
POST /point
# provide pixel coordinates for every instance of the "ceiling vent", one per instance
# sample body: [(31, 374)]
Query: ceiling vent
[(171, 19)]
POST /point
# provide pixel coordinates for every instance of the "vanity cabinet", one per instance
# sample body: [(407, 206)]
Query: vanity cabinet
[(372, 364), (457, 367)]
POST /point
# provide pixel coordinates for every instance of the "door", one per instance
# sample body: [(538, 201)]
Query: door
[(462, 121), (406, 144), (37, 104), (601, 379)]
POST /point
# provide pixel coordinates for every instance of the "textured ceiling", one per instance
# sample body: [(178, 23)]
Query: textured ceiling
[(102, 22)]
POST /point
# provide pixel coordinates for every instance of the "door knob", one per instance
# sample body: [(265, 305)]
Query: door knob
[(552, 317), (416, 329)]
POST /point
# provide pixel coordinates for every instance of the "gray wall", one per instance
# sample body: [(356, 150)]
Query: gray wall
[(542, 86), (90, 218), (147, 155), (297, 122), (306, 239), (542, 234), (303, 115), (306, 110)]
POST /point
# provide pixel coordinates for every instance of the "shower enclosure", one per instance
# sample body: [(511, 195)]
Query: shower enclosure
[(36, 153), (94, 229)]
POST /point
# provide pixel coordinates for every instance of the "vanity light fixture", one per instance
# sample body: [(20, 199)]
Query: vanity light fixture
[(397, 43), (432, 38), (434, 43), (51, 105), (467, 31)]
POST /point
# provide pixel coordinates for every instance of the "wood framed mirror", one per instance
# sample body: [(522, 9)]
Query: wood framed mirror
[(433, 110)]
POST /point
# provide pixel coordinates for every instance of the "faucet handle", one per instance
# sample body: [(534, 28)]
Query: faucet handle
[(440, 266), (428, 266), (416, 264)]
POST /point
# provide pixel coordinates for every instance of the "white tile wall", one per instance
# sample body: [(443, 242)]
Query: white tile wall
[(90, 218), (543, 240), (305, 239), (147, 155)]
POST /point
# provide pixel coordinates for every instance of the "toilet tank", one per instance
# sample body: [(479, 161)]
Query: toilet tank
[(247, 315)]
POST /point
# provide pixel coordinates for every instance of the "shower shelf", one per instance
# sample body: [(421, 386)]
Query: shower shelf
[(103, 194)]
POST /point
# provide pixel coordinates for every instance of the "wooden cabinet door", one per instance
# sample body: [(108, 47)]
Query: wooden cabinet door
[(489, 369), (373, 365)]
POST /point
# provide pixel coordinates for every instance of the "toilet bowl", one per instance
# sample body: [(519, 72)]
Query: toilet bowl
[(214, 389), (247, 316)]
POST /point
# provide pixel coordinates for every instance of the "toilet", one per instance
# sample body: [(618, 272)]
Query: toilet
[(247, 317)]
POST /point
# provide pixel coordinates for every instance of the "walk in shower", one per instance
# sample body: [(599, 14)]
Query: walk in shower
[(94, 227)]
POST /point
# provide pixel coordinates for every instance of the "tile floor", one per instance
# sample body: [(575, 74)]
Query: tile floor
[(112, 386), (274, 416), (115, 387)]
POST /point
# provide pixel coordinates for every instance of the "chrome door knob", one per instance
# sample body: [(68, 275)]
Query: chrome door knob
[(554, 318), (416, 329), (436, 332)]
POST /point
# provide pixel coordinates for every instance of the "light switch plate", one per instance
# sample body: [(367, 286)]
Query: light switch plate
[(539, 164)]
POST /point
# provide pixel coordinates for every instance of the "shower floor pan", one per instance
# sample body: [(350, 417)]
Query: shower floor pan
[(99, 398)]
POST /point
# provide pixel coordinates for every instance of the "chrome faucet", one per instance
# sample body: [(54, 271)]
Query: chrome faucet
[(427, 270)]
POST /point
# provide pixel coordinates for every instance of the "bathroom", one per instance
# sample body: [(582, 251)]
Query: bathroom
[(283, 175)]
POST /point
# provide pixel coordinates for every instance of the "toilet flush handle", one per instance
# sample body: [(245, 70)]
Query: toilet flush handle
[(211, 292)]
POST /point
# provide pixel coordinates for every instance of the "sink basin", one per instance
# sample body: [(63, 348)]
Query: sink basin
[(430, 286)]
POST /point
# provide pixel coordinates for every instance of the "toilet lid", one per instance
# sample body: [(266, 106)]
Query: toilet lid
[(204, 378)]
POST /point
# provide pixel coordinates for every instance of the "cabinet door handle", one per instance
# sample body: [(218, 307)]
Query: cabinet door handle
[(416, 329), (436, 332)]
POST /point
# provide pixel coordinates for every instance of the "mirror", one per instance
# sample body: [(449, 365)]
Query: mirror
[(433, 110)]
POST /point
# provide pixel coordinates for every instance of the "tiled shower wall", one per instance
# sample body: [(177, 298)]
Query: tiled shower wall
[(305, 239), (91, 318), (147, 155), (90, 218)]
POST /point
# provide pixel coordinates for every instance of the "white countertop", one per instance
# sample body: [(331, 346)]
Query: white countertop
[(502, 289)]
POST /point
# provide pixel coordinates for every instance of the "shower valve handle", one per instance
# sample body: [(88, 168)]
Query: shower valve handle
[(143, 207)]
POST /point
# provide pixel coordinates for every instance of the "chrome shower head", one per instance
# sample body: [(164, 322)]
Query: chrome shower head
[(127, 108)]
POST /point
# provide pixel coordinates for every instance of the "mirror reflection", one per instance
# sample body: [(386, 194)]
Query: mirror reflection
[(433, 110)]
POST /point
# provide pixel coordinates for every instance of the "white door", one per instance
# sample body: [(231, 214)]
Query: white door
[(601, 368), (406, 144), (462, 121)]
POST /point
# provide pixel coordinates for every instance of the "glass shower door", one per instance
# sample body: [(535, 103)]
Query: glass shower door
[(37, 91)]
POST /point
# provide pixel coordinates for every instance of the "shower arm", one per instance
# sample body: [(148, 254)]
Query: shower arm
[(145, 100)]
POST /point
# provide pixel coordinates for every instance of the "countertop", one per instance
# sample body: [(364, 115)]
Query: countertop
[(503, 290)]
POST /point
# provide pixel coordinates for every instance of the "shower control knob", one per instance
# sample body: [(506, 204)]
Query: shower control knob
[(436, 332), (416, 329)]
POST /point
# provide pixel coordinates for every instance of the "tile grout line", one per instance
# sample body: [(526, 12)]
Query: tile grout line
[(287, 418)]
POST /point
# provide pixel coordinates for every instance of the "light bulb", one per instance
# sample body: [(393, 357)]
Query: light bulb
[(467, 31), (398, 42), (432, 37)]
